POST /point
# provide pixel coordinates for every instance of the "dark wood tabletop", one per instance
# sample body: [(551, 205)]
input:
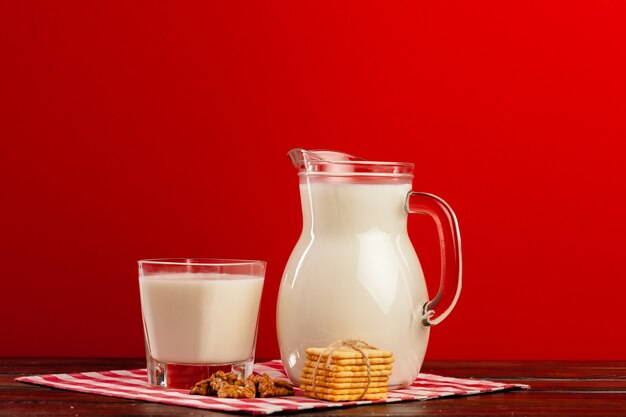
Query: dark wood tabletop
[(558, 388)]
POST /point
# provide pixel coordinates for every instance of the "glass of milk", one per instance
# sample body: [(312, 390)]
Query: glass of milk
[(199, 316)]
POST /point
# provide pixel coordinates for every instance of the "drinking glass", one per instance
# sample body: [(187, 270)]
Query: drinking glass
[(199, 316)]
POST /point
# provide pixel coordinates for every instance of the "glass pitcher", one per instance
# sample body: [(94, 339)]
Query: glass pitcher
[(354, 274)]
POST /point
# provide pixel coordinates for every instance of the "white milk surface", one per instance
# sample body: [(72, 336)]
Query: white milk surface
[(353, 275), (201, 318)]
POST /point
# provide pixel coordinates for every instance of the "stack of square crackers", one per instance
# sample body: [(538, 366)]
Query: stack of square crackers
[(345, 377)]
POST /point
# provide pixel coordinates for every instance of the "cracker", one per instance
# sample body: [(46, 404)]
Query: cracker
[(360, 361), (339, 368), (344, 380), (343, 385), (345, 374), (346, 352), (347, 397), (342, 391)]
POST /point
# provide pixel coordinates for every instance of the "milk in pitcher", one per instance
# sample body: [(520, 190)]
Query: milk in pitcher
[(353, 275)]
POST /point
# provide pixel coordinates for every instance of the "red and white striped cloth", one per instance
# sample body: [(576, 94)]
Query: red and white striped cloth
[(133, 384)]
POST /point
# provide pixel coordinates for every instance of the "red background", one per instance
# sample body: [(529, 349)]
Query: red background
[(160, 129)]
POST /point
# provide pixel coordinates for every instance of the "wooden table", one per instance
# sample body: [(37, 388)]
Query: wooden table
[(558, 389)]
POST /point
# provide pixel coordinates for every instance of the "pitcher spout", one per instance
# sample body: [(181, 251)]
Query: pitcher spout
[(310, 161), (297, 157)]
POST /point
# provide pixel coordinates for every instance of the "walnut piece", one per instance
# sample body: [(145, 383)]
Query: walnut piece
[(240, 389), (221, 379), (202, 388), (268, 387), (216, 382), (228, 385)]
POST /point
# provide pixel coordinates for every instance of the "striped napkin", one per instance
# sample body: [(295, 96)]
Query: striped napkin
[(133, 384)]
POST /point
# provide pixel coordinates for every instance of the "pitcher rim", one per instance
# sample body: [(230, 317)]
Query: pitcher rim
[(362, 167)]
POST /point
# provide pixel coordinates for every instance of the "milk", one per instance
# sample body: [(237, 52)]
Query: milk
[(201, 318), (353, 275)]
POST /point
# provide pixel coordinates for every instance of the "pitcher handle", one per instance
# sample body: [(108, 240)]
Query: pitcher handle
[(450, 244)]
